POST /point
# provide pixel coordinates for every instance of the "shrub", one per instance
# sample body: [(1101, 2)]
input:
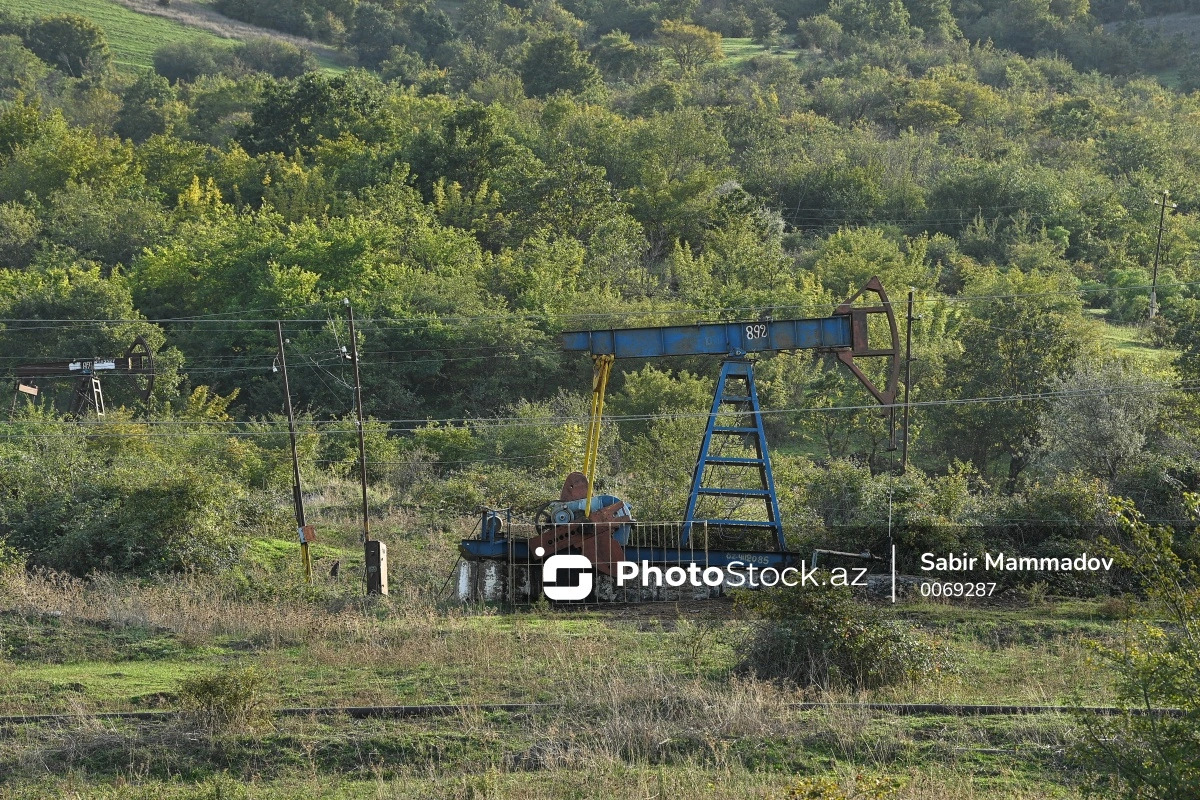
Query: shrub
[(70, 43), (124, 517), (275, 58), (230, 699), (821, 636), (864, 788), (822, 31), (10, 557), (188, 60), (1147, 756), (289, 16)]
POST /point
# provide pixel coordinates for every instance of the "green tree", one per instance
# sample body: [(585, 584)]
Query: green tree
[(872, 19), (822, 32), (274, 57), (1128, 150), (40, 153), (19, 229), (556, 64), (690, 46), (296, 115), (404, 66), (543, 275), (619, 58), (1100, 419), (149, 107), (1189, 74), (71, 43), (846, 260), (765, 24), (188, 59), (668, 168), (21, 71), (376, 31), (663, 459), (927, 115), (219, 106), (1024, 331), (470, 147), (935, 18), (652, 391), (101, 223)]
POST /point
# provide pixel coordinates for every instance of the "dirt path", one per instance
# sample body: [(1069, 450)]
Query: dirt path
[(200, 15)]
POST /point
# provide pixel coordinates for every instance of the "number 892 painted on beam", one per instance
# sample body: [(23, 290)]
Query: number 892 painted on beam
[(757, 331)]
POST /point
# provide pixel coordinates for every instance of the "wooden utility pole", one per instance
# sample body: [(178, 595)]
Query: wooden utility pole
[(374, 552), (1162, 218), (907, 382), (358, 409), (302, 529)]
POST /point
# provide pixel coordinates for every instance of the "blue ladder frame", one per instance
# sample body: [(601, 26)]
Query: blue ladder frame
[(746, 404)]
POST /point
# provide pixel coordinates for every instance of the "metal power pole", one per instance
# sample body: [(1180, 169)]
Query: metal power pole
[(1162, 218), (907, 382), (297, 494), (362, 444)]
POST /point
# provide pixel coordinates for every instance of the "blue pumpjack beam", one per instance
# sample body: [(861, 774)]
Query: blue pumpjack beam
[(716, 338)]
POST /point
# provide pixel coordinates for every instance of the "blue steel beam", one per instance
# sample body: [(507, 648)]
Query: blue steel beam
[(715, 338)]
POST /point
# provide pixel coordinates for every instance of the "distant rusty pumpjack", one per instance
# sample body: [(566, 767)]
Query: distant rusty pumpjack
[(88, 396)]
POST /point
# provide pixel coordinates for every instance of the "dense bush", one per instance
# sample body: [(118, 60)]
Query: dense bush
[(227, 700), (119, 519), (71, 43), (273, 57), (1156, 666), (189, 59), (300, 17), (821, 636)]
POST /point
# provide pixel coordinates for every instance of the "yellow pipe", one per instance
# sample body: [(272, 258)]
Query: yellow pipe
[(591, 456)]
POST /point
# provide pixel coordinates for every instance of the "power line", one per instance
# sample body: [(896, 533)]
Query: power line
[(521, 422)]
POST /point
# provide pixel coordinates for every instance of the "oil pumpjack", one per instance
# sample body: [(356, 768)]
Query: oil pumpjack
[(504, 561)]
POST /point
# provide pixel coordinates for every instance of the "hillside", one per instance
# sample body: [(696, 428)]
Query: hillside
[(133, 37), (1169, 26), (136, 28)]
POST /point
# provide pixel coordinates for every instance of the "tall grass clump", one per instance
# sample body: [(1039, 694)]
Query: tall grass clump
[(230, 699)]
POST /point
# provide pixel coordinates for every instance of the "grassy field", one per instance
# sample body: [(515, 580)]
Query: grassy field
[(133, 37), (738, 51), (648, 701), (1132, 340), (645, 712)]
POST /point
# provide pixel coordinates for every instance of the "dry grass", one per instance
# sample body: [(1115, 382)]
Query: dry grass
[(546, 758), (197, 609), (641, 709)]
